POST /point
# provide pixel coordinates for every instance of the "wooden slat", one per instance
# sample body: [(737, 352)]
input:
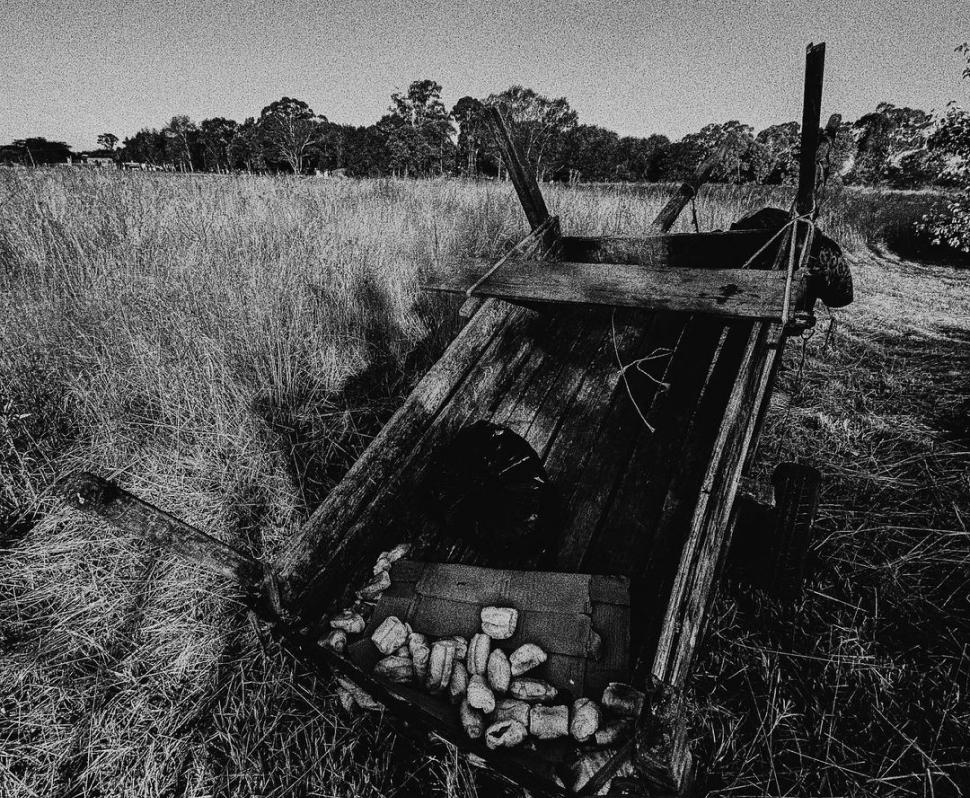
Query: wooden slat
[(709, 529), (731, 293), (533, 244), (728, 249), (589, 485)]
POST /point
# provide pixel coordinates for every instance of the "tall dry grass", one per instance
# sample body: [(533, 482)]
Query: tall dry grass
[(226, 346)]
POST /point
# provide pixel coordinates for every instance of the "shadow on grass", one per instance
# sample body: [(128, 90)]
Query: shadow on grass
[(323, 436)]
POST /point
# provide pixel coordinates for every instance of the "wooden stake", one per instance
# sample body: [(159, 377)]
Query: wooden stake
[(811, 117)]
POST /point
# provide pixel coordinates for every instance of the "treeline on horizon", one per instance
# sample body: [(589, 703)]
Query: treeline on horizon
[(420, 137)]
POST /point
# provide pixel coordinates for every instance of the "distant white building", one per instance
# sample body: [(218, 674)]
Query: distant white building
[(91, 159)]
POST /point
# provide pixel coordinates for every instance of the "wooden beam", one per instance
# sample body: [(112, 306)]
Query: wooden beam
[(811, 117), (709, 535), (669, 213), (94, 495), (520, 172), (529, 246), (729, 249), (335, 533), (733, 293)]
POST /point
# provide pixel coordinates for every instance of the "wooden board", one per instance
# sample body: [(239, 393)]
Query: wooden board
[(732, 293), (728, 249)]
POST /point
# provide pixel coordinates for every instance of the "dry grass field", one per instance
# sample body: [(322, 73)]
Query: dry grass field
[(226, 347)]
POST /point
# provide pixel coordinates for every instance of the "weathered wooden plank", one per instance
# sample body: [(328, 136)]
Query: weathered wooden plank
[(709, 529), (732, 293), (669, 213), (811, 117), (528, 407), (533, 244), (590, 486), (666, 508), (627, 531), (94, 495), (727, 249), (356, 530)]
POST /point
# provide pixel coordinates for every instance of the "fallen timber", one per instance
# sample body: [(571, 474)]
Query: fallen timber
[(641, 391)]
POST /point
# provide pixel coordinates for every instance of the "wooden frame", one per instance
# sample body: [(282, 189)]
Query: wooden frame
[(651, 457), (713, 273)]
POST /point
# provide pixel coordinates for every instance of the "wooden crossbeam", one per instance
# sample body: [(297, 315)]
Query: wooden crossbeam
[(734, 293), (724, 249)]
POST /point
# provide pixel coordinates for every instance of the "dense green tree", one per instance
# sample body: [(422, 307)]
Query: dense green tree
[(246, 149), (774, 159), (736, 141), (362, 151), (641, 158), (146, 146), (108, 141), (216, 138), (37, 151), (539, 125), (950, 143), (680, 158), (948, 222), (181, 137), (473, 133), (885, 140), (592, 153), (289, 130), (419, 131)]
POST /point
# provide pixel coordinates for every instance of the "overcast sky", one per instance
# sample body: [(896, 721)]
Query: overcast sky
[(70, 70)]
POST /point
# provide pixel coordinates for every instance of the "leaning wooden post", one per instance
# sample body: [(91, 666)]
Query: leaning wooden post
[(811, 117), (522, 177), (526, 185), (545, 228), (687, 191), (100, 497)]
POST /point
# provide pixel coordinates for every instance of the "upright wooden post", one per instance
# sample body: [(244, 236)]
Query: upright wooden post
[(811, 117)]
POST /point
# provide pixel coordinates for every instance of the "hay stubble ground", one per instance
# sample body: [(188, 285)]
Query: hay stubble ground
[(226, 346)]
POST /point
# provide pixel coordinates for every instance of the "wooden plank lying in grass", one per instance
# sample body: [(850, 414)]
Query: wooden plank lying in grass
[(735, 293)]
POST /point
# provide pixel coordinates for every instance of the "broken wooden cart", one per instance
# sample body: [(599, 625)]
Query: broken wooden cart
[(638, 371)]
